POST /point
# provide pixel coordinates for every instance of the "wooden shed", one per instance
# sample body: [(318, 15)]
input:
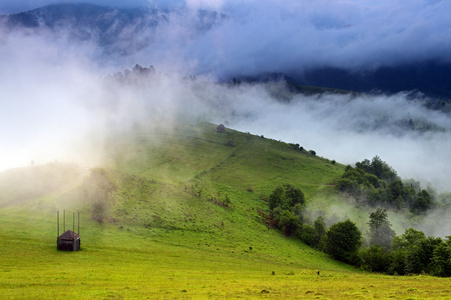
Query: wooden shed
[(68, 241)]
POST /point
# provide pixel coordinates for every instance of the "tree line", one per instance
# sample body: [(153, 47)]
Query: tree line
[(376, 184), (409, 253)]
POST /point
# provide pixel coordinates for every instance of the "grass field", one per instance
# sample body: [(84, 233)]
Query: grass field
[(165, 233), (161, 264)]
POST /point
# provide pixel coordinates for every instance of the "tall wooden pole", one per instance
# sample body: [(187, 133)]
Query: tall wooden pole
[(78, 223), (58, 222)]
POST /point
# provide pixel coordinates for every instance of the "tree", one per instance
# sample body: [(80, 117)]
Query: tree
[(276, 198), (293, 195), (419, 256), (314, 235), (407, 239), (378, 168), (380, 229), (320, 232), (343, 240), (286, 196), (286, 220), (422, 202), (441, 261), (375, 259), (286, 205), (400, 247)]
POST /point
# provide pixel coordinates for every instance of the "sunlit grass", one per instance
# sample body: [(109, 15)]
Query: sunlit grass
[(137, 264)]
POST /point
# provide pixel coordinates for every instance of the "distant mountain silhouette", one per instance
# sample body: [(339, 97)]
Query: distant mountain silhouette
[(117, 30), (429, 77), (125, 31)]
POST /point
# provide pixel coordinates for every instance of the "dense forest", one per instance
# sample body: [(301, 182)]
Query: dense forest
[(374, 184)]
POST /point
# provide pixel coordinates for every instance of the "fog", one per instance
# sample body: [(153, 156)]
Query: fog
[(53, 98), (268, 36), (57, 103)]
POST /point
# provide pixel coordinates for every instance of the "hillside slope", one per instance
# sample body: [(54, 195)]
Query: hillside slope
[(173, 213), (188, 178)]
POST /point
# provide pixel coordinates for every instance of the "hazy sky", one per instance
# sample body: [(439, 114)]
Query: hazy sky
[(14, 6)]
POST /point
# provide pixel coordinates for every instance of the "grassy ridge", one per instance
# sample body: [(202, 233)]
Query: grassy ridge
[(154, 224)]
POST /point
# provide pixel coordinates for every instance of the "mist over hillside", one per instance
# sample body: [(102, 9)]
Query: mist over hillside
[(58, 105)]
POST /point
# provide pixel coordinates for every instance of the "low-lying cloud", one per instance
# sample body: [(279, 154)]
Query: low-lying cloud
[(270, 36), (52, 93), (292, 36)]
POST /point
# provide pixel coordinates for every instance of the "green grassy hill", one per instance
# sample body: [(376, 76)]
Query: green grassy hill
[(174, 213)]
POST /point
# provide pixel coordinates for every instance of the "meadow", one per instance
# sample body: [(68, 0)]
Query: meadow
[(154, 225)]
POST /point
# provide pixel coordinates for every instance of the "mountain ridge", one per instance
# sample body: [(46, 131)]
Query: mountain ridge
[(126, 31)]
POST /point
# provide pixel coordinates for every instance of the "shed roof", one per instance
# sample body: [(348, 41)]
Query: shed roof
[(69, 236)]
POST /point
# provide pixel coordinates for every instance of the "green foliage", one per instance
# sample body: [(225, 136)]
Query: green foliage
[(277, 198), (378, 168), (441, 260), (287, 221), (376, 184), (375, 259), (407, 239), (343, 240), (286, 196), (380, 229), (320, 232), (414, 253), (286, 204), (422, 202), (307, 234), (315, 235), (419, 256)]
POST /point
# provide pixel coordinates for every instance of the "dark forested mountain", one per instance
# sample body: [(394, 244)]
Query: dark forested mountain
[(429, 77), (125, 31), (117, 30)]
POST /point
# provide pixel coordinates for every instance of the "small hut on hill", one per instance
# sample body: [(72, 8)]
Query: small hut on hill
[(220, 128), (68, 241)]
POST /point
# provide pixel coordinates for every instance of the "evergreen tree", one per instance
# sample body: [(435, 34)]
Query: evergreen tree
[(380, 229)]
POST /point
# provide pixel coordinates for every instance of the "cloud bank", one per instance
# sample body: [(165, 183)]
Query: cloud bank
[(269, 36)]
